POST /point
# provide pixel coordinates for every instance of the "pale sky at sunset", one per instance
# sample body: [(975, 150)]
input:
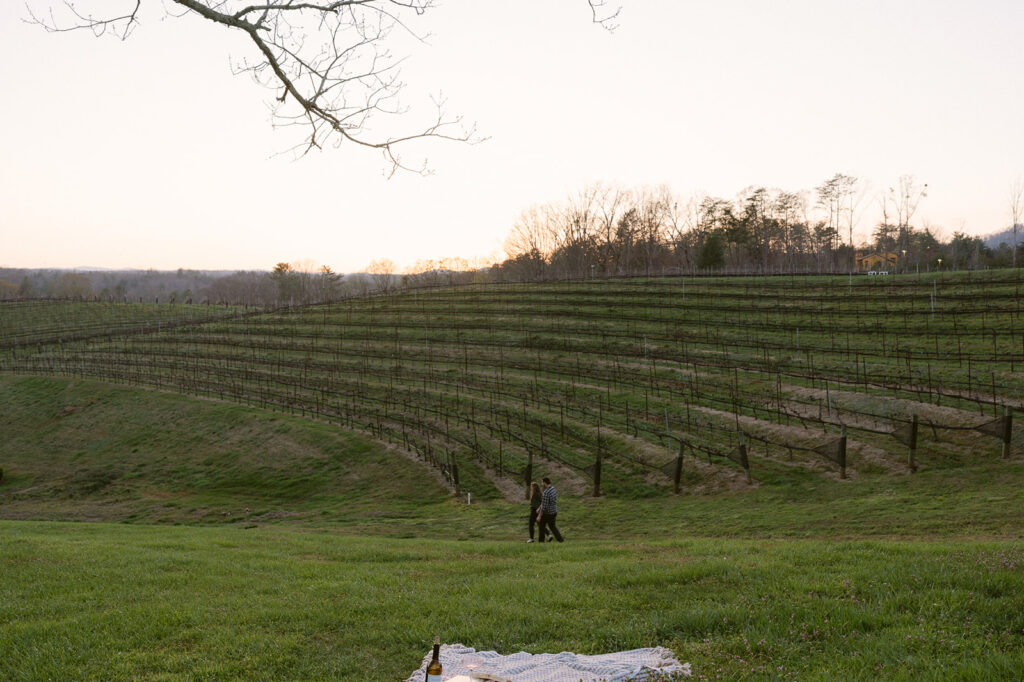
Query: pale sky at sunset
[(149, 153)]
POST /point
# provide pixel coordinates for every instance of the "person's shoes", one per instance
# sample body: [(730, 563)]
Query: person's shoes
[(550, 538), (530, 540)]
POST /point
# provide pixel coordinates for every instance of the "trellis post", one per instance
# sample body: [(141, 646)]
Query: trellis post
[(1007, 431), (744, 462), (678, 473), (528, 472), (913, 444), (842, 454)]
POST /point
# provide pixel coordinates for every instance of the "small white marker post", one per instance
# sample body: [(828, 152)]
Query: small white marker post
[(469, 496)]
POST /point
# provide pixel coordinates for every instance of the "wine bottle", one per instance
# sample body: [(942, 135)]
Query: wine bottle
[(434, 669)]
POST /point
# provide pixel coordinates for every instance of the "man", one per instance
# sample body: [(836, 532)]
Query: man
[(548, 510)]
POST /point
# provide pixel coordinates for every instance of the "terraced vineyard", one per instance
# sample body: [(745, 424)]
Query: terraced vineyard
[(29, 322), (624, 387)]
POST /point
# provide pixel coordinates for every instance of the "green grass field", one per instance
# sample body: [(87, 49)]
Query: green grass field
[(209, 493), (266, 546), (102, 601)]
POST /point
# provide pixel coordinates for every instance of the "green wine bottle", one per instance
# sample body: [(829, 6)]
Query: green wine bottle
[(434, 669)]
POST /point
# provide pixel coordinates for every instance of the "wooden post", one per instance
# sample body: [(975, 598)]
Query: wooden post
[(913, 445), (744, 462), (529, 471), (678, 474), (842, 454), (1007, 431), (597, 471)]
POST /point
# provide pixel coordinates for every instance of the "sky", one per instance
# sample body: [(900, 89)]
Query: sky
[(151, 153)]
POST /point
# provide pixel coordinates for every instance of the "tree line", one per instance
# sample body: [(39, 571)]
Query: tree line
[(286, 284), (601, 231), (606, 231)]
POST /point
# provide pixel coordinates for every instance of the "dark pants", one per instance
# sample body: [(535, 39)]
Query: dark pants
[(533, 522), (547, 522)]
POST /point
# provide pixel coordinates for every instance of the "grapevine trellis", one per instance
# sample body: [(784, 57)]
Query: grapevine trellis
[(613, 379)]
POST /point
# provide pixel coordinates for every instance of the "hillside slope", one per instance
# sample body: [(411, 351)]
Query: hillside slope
[(84, 450), (622, 388)]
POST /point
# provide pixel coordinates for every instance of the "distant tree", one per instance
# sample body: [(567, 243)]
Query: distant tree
[(426, 272), (1016, 212), (787, 209), (534, 231), (27, 289), (823, 239), (760, 226), (966, 251), (885, 237), (241, 288), (711, 255), (680, 219), (71, 285), (840, 196), (610, 202), (8, 289), (525, 267), (903, 201), (830, 200), (382, 270), (289, 286), (328, 284), (655, 205)]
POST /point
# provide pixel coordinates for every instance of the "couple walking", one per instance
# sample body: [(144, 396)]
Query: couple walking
[(543, 510)]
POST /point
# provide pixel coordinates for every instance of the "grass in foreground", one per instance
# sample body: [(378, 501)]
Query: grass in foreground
[(100, 601), (346, 563)]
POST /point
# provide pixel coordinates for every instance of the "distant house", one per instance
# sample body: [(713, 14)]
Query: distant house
[(873, 262)]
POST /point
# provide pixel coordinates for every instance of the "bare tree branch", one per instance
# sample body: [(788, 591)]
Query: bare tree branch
[(603, 14), (328, 62), (121, 26)]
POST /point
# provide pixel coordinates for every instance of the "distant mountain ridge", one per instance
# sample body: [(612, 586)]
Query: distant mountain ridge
[(1004, 237)]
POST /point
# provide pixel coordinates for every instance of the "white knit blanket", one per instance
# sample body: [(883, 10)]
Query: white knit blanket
[(635, 665)]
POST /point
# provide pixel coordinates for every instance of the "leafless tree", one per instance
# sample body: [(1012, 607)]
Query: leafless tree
[(1016, 211), (787, 209), (383, 271), (611, 202), (840, 196), (904, 200), (330, 62), (532, 233)]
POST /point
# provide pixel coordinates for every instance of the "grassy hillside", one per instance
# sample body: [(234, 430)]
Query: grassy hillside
[(84, 450)]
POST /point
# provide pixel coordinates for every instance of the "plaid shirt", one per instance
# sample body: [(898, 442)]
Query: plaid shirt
[(549, 501)]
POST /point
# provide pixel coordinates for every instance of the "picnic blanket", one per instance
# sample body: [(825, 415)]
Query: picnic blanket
[(635, 665)]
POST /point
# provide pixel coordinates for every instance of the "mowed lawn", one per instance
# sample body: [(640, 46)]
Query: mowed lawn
[(233, 543)]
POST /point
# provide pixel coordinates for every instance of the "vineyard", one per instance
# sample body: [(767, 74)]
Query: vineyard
[(629, 388)]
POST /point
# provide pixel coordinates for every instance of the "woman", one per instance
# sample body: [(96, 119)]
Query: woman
[(535, 498)]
